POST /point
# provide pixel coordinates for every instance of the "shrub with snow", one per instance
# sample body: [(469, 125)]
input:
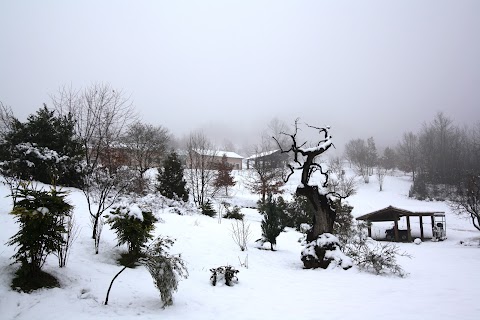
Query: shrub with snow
[(227, 273), (132, 226), (372, 256), (324, 252), (39, 214), (166, 269)]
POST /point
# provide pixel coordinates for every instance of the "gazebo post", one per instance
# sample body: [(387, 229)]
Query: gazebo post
[(369, 226), (433, 226), (395, 228), (409, 231), (421, 227)]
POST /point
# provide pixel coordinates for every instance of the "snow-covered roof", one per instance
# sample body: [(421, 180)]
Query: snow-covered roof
[(262, 154), (218, 153)]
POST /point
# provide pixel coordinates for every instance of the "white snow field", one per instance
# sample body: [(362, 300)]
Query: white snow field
[(443, 280)]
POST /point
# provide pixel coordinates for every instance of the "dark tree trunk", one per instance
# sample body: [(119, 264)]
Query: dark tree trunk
[(324, 216)]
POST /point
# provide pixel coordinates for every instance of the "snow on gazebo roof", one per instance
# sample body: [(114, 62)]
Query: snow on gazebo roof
[(392, 213)]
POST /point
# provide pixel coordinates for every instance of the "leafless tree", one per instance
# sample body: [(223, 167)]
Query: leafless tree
[(69, 236), (241, 233), (305, 160), (146, 145), (267, 173), (357, 153), (407, 150), (102, 115), (467, 200), (381, 172), (200, 174), (339, 182), (274, 129), (7, 121)]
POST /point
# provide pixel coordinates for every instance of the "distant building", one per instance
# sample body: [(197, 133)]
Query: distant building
[(273, 159), (213, 157)]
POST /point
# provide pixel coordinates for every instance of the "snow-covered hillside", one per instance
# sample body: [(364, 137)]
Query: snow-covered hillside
[(443, 280)]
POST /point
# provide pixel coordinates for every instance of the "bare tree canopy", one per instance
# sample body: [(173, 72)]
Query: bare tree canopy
[(102, 115)]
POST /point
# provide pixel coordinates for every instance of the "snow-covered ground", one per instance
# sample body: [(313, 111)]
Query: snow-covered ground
[(443, 280)]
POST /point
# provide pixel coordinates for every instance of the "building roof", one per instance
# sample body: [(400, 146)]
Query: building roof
[(262, 154), (218, 153), (391, 213)]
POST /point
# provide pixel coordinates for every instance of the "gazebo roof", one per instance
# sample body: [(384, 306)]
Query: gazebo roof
[(391, 213)]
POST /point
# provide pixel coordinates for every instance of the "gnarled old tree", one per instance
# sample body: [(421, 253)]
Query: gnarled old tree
[(322, 247)]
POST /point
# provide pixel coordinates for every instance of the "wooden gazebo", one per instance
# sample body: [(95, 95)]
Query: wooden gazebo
[(394, 214)]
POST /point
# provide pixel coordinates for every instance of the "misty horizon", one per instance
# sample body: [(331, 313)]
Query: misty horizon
[(369, 69)]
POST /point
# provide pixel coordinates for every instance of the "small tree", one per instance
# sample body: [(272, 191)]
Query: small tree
[(467, 200), (166, 269), (39, 214), (171, 182), (133, 227), (381, 172), (224, 178), (241, 233), (273, 212), (207, 209)]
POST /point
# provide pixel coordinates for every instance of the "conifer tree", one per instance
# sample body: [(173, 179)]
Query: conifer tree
[(44, 149), (272, 224), (224, 178), (39, 215), (171, 182)]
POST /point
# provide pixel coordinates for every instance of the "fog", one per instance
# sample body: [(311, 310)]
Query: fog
[(366, 68)]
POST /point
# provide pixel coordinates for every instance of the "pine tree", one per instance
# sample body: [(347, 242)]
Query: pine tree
[(39, 215), (224, 178), (171, 183), (44, 149), (272, 225)]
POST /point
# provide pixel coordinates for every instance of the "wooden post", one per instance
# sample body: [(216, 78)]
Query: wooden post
[(409, 231), (421, 227), (395, 228), (369, 225), (433, 226)]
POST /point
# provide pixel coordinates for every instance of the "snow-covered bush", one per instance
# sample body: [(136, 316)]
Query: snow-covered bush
[(43, 149), (299, 212), (324, 252), (133, 227), (39, 214), (207, 209), (233, 213), (372, 256), (227, 273), (165, 268)]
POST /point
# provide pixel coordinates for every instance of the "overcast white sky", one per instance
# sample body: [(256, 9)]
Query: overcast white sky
[(366, 68)]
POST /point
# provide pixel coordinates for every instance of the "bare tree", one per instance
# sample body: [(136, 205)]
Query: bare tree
[(339, 182), (357, 153), (102, 114), (318, 195), (467, 200), (9, 177), (146, 145), (241, 233), (267, 172), (200, 174), (407, 150), (381, 172)]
